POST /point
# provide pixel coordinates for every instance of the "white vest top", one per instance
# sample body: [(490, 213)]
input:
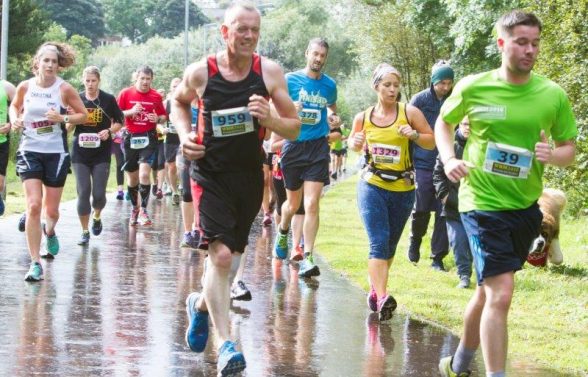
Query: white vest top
[(40, 134)]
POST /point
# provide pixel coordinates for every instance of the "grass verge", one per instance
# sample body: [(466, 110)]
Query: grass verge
[(548, 321)]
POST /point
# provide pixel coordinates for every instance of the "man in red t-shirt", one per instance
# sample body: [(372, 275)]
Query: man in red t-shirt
[(143, 109)]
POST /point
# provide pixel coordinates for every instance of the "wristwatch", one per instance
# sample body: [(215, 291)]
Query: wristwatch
[(66, 119)]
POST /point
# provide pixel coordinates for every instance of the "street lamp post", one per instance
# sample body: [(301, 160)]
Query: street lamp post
[(4, 41), (186, 24)]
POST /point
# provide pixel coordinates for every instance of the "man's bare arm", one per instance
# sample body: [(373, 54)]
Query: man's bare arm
[(287, 124), (181, 114)]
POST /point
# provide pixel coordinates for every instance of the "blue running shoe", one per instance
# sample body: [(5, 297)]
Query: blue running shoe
[(281, 245), (230, 361), (85, 239), (187, 240), (96, 226), (1, 205), (308, 268), (52, 243), (197, 331), (35, 272)]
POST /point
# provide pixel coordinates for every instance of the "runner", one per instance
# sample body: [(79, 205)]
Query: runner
[(91, 151), (385, 192), (7, 92), (42, 159), (143, 109), (118, 152), (305, 162), (171, 147), (429, 101), (191, 236), (234, 86), (512, 113)]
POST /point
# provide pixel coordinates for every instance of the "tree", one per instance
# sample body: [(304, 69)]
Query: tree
[(24, 37), (69, 14), (141, 20), (129, 18), (169, 20)]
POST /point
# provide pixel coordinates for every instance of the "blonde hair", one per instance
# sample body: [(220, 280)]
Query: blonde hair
[(65, 55), (91, 70)]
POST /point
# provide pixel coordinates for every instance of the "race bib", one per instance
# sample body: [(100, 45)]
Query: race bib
[(385, 154), (507, 160), (90, 140), (139, 142), (310, 116), (232, 122), (44, 130)]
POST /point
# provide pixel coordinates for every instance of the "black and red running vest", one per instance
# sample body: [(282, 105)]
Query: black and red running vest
[(233, 138)]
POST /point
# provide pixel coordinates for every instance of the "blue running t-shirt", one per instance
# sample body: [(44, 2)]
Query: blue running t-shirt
[(315, 95)]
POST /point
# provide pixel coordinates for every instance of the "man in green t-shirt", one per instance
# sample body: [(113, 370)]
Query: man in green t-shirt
[(7, 92), (512, 113)]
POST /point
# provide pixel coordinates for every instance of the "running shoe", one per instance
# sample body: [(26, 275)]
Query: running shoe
[(334, 175), (187, 240), (281, 245), (176, 199), (267, 219), (372, 300), (464, 282), (230, 361), (134, 217), (159, 194), (85, 239), (52, 245), (1, 205), (437, 265), (197, 331), (154, 189), (297, 255), (240, 292), (35, 272), (445, 368), (386, 306), (120, 195), (308, 268), (96, 226), (144, 218), (22, 222)]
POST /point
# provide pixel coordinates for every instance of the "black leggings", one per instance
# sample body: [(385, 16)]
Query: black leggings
[(118, 153)]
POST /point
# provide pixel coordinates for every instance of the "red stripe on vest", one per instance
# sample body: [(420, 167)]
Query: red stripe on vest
[(212, 66), (256, 64)]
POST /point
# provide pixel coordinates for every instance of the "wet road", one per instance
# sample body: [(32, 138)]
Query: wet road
[(116, 308)]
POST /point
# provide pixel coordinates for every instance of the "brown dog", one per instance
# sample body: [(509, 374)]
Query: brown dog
[(546, 246)]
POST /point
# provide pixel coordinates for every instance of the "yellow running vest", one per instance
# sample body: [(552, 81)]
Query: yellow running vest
[(387, 150)]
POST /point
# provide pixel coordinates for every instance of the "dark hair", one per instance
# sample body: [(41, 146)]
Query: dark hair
[(318, 41), (145, 69), (507, 22)]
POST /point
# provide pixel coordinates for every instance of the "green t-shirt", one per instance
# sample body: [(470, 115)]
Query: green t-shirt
[(3, 110), (505, 122)]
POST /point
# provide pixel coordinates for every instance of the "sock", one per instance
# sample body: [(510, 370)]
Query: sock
[(462, 359), (282, 231), (496, 374), (96, 217), (144, 191), (133, 193)]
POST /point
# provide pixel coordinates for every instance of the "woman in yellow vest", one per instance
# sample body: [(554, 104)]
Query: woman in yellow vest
[(385, 192)]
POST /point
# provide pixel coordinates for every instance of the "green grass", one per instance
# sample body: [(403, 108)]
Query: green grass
[(15, 201), (548, 321)]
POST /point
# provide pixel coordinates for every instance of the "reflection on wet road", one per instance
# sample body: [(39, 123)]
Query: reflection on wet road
[(116, 308)]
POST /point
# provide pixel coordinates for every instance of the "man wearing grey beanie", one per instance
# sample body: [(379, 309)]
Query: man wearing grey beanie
[(429, 101)]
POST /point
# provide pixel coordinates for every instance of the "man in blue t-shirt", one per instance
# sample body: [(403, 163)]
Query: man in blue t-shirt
[(305, 161)]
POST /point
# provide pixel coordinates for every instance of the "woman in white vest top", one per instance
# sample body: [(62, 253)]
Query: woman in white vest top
[(42, 159)]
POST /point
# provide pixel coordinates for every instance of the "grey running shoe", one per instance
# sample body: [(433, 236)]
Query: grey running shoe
[(240, 292)]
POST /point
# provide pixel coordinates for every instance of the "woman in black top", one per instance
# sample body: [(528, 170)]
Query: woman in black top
[(92, 150)]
